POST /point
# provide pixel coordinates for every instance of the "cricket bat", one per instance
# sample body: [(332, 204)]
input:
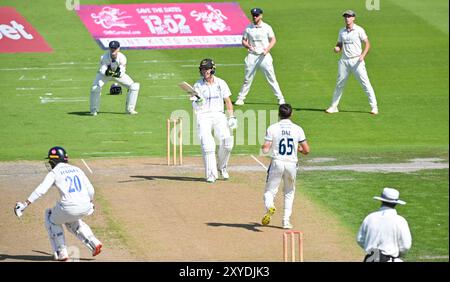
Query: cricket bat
[(189, 89)]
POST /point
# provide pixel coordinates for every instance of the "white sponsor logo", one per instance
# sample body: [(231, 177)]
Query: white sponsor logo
[(110, 17), (213, 19), (15, 31)]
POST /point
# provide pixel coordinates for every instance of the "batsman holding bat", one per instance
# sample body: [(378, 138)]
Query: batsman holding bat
[(113, 67), (284, 139), (77, 194), (209, 109)]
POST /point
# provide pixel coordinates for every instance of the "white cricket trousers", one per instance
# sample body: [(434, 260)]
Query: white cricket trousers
[(277, 171), (206, 124), (65, 214), (98, 83), (265, 63), (345, 68)]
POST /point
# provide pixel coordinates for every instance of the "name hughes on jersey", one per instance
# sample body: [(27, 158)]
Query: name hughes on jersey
[(68, 171)]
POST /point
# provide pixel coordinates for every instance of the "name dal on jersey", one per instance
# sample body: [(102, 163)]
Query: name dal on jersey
[(286, 132)]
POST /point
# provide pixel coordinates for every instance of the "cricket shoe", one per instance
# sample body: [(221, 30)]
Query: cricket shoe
[(224, 174), (95, 246), (61, 255), (332, 110), (211, 179), (239, 102), (94, 113), (374, 111), (287, 225), (268, 216), (97, 250), (132, 112)]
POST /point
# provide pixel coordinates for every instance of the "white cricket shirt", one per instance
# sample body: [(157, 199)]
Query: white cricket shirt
[(386, 231), (106, 61), (351, 41), (213, 94), (285, 136), (73, 185), (258, 36)]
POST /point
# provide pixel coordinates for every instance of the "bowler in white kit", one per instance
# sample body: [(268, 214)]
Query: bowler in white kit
[(113, 67), (283, 139), (352, 61), (76, 201)]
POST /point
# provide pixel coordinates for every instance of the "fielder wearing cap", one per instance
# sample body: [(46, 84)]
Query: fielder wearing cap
[(349, 41), (259, 39), (384, 235)]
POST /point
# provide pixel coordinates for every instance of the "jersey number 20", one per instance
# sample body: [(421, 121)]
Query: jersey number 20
[(74, 184), (286, 146)]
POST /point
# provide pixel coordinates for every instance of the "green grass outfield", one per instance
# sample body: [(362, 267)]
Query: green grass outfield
[(408, 67)]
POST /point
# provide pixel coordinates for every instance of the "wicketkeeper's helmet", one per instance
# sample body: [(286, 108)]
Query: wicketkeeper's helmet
[(207, 64), (57, 155), (115, 89)]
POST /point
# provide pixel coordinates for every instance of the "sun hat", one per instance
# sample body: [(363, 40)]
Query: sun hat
[(390, 195)]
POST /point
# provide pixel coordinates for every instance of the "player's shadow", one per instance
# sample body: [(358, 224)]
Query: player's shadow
[(260, 103), (173, 178), (323, 110), (45, 256), (251, 226), (89, 113)]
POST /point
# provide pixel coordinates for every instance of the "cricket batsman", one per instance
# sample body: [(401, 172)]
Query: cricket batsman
[(214, 93)]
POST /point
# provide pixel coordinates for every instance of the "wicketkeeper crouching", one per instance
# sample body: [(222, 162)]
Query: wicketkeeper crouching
[(113, 67)]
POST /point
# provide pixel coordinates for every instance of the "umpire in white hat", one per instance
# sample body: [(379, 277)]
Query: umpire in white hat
[(384, 235)]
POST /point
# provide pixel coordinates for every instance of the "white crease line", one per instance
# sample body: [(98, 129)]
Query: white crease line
[(139, 62), (45, 100), (90, 170), (253, 157), (38, 68), (51, 88)]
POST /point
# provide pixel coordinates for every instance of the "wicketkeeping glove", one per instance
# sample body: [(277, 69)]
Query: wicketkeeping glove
[(232, 122), (19, 208), (116, 73), (109, 71)]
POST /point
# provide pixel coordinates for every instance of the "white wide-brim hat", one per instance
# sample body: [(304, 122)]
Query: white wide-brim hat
[(390, 195)]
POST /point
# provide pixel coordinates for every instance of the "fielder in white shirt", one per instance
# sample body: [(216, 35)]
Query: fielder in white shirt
[(284, 139), (209, 110), (384, 235), (113, 67), (352, 61), (259, 38), (77, 195)]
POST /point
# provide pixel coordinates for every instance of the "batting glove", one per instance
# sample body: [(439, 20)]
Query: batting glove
[(232, 122), (19, 208), (199, 101)]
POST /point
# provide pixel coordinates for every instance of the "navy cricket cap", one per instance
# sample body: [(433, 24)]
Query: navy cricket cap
[(256, 11), (114, 44)]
